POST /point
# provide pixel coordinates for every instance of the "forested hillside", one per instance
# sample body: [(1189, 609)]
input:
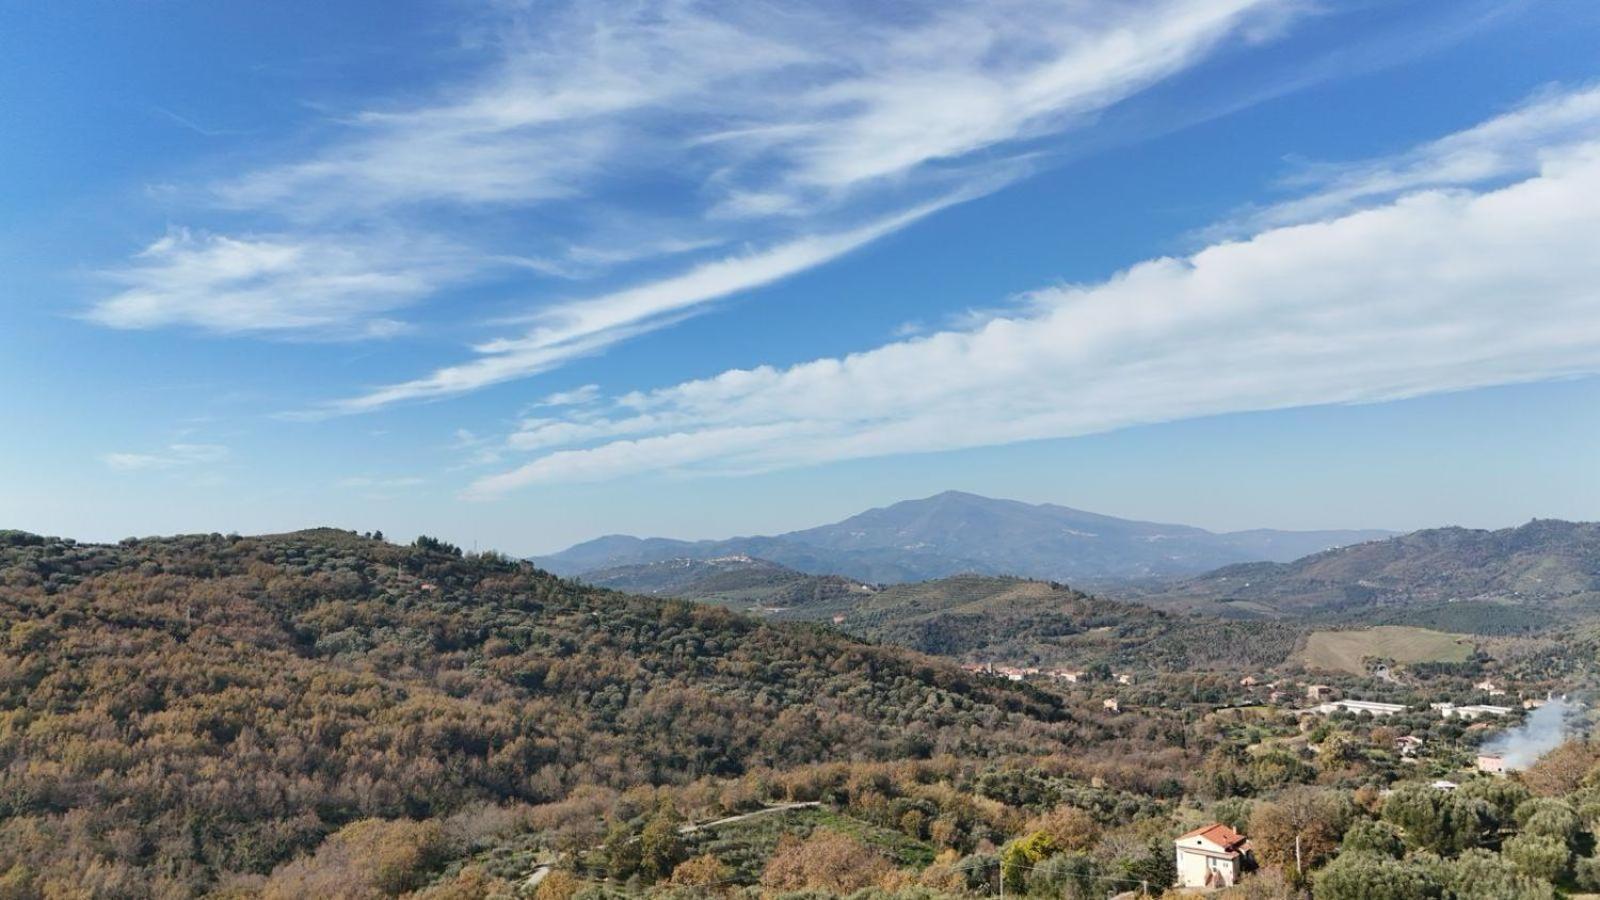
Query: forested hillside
[(972, 618), (737, 582), (1020, 621), (175, 712), (1540, 572), (322, 714)]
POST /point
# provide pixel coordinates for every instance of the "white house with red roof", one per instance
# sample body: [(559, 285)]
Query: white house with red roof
[(1211, 857)]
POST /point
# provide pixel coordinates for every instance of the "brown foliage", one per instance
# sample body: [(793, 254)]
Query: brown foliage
[(370, 858), (826, 861), (1564, 769), (558, 885), (183, 714), (1316, 817), (703, 871), (1068, 827)]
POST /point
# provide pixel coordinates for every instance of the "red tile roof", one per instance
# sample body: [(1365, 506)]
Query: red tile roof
[(1219, 834)]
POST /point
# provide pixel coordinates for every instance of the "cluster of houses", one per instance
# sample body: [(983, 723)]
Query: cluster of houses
[(1024, 673), (1322, 696)]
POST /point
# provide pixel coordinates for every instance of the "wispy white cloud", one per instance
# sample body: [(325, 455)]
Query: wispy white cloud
[(1513, 145), (801, 130), (578, 396), (776, 102), (585, 327), (173, 456), (286, 284), (1431, 290)]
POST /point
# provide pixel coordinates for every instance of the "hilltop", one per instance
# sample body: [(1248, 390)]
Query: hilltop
[(737, 582), (1507, 579), (954, 533)]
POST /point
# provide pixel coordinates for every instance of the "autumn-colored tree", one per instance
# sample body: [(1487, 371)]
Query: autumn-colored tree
[(558, 885), (704, 872), (828, 861), (1019, 857), (471, 883), (368, 858), (1298, 829), (1564, 769), (1068, 827), (660, 847)]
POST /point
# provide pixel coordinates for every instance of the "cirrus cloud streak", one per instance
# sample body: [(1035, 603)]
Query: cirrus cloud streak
[(1434, 290)]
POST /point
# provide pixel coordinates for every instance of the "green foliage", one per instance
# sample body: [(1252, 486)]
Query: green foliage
[(1021, 855), (1013, 618), (1503, 794), (1539, 855), (1549, 817), (1071, 876), (1482, 875), (1155, 867), (1362, 876), (1442, 822), (660, 847), (1586, 872), (1378, 838)]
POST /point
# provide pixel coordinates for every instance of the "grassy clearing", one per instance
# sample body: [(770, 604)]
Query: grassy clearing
[(1347, 651)]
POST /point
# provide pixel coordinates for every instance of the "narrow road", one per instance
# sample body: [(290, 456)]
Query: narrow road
[(542, 870), (764, 811)]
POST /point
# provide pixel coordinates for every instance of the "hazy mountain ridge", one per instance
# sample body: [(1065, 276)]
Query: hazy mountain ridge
[(1545, 564), (954, 533)]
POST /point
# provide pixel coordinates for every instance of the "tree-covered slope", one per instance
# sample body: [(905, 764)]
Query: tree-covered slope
[(173, 711), (1020, 621), (1545, 565), (737, 582)]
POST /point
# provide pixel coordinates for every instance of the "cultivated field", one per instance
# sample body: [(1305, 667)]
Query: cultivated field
[(1346, 651)]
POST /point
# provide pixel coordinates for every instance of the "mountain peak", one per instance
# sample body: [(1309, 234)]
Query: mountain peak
[(958, 531)]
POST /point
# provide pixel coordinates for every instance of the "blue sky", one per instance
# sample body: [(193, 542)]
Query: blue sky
[(520, 275)]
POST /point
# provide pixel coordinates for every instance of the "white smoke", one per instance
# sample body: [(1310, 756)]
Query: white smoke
[(1544, 730)]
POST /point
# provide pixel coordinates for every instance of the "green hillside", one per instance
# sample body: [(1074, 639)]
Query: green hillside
[(1509, 581)]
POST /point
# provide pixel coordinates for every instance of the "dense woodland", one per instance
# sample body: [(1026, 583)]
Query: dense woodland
[(175, 710), (324, 714)]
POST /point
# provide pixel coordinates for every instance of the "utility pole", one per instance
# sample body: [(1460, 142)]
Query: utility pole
[(1298, 871)]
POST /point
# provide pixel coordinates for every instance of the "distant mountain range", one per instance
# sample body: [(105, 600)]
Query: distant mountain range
[(954, 532), (1517, 575)]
